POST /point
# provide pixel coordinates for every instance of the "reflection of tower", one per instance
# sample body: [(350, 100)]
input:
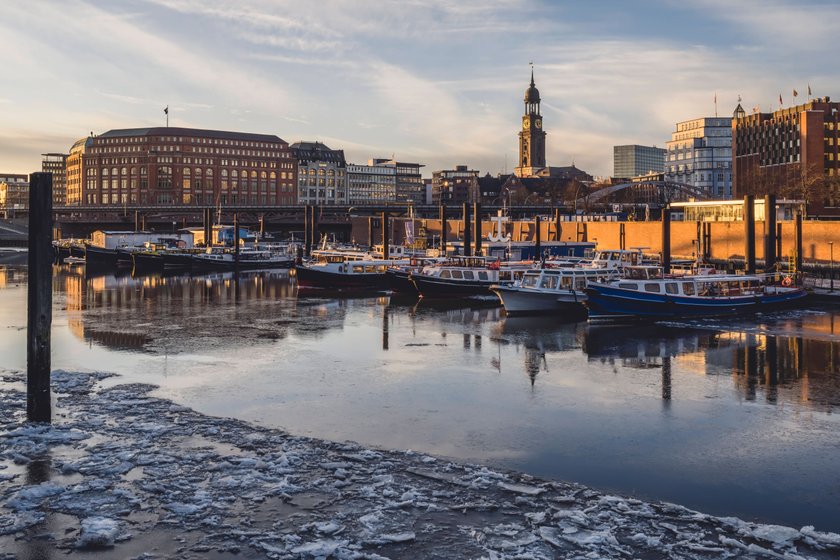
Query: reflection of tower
[(385, 333), (533, 359), (666, 378), (532, 135)]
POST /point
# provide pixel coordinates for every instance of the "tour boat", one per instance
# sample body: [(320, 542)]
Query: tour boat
[(345, 269), (215, 258), (399, 277), (645, 294), (462, 276), (552, 288)]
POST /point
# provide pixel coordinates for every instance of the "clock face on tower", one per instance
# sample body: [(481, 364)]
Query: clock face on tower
[(526, 123), (538, 123)]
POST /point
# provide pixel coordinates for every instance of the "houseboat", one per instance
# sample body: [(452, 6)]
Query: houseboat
[(465, 277)]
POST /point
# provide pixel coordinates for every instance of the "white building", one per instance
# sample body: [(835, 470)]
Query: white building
[(371, 183), (322, 177), (700, 154)]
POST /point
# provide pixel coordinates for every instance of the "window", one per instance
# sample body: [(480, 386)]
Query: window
[(672, 288), (652, 287), (628, 286)]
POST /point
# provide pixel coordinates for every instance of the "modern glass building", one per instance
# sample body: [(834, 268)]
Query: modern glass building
[(633, 160)]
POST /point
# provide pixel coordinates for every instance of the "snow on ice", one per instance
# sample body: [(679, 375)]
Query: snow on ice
[(122, 469)]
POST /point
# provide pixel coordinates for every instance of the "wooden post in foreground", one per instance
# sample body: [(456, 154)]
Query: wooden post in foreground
[(666, 240), (236, 241), (39, 310)]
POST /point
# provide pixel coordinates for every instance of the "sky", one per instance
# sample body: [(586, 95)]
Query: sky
[(439, 82)]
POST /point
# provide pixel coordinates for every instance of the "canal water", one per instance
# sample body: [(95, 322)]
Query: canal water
[(731, 417)]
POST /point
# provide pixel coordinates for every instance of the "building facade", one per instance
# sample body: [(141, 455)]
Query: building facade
[(371, 184), (409, 187), (455, 186), (700, 154), (321, 174), (792, 153), (57, 165), (14, 194), (632, 160), (532, 135), (181, 166)]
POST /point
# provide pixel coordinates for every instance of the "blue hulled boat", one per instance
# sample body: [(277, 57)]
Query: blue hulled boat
[(644, 294)]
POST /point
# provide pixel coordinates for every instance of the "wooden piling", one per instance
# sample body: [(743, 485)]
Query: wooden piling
[(769, 233), (666, 240), (798, 241), (386, 237), (478, 232), (467, 235), (307, 239), (314, 235), (39, 309), (236, 241), (370, 233), (443, 229), (556, 224), (749, 231), (537, 240)]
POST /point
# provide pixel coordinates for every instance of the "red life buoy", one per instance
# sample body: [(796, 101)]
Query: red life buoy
[(787, 281)]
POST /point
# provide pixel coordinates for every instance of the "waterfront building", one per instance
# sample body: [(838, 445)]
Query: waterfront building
[(14, 194), (791, 152), (57, 165), (385, 180), (321, 174), (455, 186), (371, 184), (699, 154), (633, 160), (181, 166)]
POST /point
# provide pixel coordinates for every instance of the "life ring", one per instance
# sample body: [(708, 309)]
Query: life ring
[(787, 281)]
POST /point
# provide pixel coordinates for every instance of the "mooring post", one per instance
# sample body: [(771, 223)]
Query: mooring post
[(443, 229), (769, 232), (798, 241), (621, 236), (779, 253), (749, 234), (666, 241), (556, 224), (537, 239), (262, 226), (313, 221), (467, 236), (707, 242), (370, 233), (236, 241), (136, 220), (386, 241), (307, 239), (39, 309), (478, 232)]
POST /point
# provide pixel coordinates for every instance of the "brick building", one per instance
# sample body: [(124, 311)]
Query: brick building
[(181, 166), (14, 194), (455, 186), (792, 153)]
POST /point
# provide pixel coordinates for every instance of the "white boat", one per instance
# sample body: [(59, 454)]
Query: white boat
[(549, 289), (215, 258), (345, 270)]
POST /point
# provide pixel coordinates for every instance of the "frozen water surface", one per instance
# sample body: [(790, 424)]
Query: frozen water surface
[(735, 419)]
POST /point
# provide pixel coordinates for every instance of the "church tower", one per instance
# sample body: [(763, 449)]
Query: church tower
[(532, 135)]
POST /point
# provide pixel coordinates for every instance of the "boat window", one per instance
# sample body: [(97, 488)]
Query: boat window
[(358, 269), (580, 283), (468, 275), (530, 280), (652, 287), (482, 275), (445, 273), (672, 288), (549, 282), (505, 276), (566, 282), (370, 268), (628, 286), (381, 268), (457, 274), (688, 288)]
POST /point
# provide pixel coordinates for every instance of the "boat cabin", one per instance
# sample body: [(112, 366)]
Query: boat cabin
[(563, 278)]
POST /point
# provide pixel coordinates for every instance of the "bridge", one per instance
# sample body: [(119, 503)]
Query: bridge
[(646, 192)]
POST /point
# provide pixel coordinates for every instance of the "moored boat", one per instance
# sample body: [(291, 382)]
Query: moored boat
[(464, 277), (341, 270), (645, 294)]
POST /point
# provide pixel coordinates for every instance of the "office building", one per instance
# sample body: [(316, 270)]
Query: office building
[(321, 174), (181, 166), (14, 194), (699, 154), (792, 153), (633, 160), (455, 186), (57, 165)]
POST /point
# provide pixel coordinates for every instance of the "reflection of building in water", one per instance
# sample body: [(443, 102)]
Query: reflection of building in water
[(123, 312), (10, 276)]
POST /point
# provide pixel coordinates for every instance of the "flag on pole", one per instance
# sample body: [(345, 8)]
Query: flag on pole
[(795, 93), (166, 110), (809, 90), (780, 100)]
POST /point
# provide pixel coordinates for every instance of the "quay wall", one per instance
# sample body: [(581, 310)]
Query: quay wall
[(727, 238)]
